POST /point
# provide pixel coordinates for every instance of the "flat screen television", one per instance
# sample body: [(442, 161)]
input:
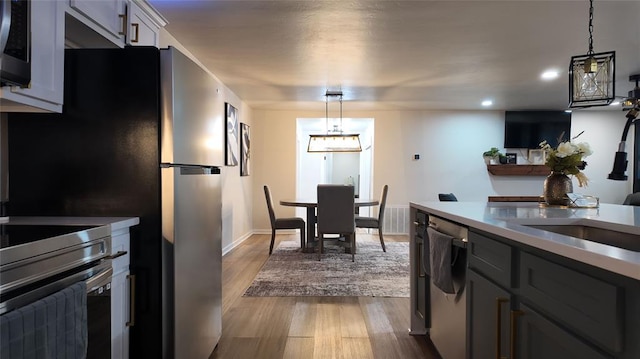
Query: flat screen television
[(526, 129)]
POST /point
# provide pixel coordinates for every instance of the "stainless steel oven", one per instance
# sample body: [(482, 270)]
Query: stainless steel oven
[(99, 316), (15, 42), (38, 261)]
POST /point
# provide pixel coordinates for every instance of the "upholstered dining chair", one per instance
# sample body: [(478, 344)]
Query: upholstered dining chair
[(632, 199), (282, 223), (447, 197), (336, 214), (376, 222)]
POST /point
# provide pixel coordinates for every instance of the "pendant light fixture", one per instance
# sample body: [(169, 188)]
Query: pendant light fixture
[(335, 140), (592, 76)]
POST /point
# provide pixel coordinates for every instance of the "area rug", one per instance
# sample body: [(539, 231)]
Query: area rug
[(290, 273)]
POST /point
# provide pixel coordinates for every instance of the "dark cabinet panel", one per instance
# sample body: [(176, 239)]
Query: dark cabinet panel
[(587, 305), (488, 308), (540, 338), (492, 258)]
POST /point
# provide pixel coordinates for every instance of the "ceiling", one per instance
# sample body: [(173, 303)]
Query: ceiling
[(395, 55)]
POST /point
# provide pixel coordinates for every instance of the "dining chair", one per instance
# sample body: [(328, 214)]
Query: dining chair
[(632, 199), (282, 223), (376, 222), (336, 214), (447, 197)]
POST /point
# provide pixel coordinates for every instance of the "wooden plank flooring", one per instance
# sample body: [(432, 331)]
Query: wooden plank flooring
[(309, 327)]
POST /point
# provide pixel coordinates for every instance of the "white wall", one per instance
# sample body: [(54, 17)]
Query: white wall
[(237, 191), (450, 145)]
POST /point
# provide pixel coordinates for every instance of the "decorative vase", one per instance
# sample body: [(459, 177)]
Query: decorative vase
[(556, 187)]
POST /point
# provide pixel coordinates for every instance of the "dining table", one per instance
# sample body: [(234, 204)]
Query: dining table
[(311, 204)]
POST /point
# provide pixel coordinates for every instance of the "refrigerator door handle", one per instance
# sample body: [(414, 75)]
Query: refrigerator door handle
[(187, 169)]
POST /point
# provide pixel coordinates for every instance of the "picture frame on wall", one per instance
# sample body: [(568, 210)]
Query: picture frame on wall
[(537, 157), (512, 158), (231, 135), (245, 147)]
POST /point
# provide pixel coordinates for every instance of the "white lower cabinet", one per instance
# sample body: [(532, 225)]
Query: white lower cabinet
[(120, 312), (121, 296)]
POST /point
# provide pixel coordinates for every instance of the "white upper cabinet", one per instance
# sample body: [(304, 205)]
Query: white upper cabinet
[(106, 17), (144, 24), (103, 23), (45, 92)]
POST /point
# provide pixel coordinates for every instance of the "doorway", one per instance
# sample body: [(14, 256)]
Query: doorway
[(354, 168)]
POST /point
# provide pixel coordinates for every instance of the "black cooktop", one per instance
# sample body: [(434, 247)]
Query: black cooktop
[(15, 234)]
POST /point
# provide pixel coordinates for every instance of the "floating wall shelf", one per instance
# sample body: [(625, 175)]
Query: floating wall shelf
[(518, 170)]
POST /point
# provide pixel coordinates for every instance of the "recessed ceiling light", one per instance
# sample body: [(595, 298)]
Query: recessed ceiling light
[(550, 75), (487, 103)]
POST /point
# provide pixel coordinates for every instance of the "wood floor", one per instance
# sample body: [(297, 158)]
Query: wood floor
[(308, 327)]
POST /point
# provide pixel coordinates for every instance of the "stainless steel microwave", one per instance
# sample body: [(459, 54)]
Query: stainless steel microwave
[(15, 42)]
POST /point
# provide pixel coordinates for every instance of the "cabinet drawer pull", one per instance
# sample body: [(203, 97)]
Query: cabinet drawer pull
[(123, 20), (499, 302), (118, 254), (136, 30), (132, 300), (514, 330)]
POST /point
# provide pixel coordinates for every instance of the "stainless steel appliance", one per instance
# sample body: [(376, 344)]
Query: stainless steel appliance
[(141, 135), (15, 42), (39, 260), (449, 311)]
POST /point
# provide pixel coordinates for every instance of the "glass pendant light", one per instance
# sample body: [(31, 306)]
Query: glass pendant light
[(592, 76)]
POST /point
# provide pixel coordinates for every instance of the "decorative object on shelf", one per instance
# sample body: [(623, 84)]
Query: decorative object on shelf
[(536, 157), (512, 158), (492, 156), (336, 140), (592, 76), (231, 135), (564, 160), (245, 147)]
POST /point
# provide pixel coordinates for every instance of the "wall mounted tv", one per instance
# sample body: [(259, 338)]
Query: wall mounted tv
[(526, 129)]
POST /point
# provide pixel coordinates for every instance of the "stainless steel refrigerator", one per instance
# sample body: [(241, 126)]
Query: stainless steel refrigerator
[(141, 134)]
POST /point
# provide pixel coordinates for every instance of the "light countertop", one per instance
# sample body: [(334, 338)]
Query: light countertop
[(508, 220), (116, 223)]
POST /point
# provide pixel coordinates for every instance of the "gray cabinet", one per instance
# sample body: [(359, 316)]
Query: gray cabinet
[(490, 282), (537, 305), (488, 306), (420, 304), (539, 337)]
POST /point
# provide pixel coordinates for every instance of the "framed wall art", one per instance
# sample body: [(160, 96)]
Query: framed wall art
[(231, 135), (537, 157), (245, 147)]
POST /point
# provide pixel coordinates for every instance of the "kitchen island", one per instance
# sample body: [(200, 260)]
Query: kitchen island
[(532, 292)]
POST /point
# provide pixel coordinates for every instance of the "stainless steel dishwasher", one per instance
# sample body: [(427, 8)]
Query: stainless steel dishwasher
[(448, 311)]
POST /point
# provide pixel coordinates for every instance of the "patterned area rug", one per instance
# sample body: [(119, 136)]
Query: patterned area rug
[(290, 273)]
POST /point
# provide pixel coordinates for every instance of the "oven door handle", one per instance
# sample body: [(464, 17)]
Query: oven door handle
[(102, 278)]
